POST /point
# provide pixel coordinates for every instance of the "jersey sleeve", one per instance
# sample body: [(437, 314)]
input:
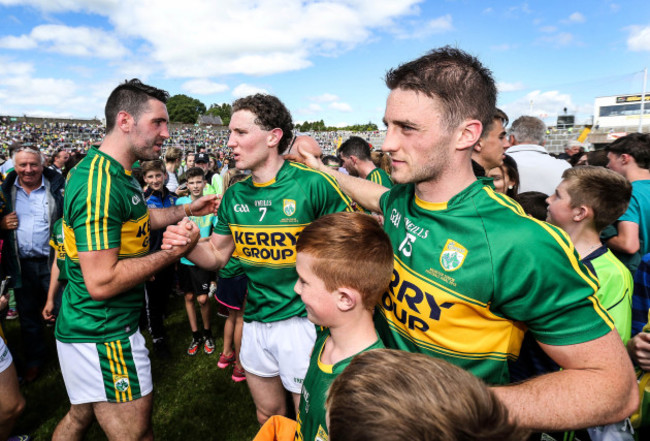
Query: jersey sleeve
[(97, 212), (554, 295), (328, 196), (223, 225)]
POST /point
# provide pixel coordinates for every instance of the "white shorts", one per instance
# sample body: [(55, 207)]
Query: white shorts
[(278, 348), (116, 371), (5, 356)]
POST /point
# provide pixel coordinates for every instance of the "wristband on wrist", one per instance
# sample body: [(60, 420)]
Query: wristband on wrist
[(188, 210)]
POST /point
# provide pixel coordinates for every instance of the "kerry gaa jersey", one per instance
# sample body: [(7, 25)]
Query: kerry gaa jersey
[(471, 275), (311, 424), (104, 208), (379, 176), (265, 221)]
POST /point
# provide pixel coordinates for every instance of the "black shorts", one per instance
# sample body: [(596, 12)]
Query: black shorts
[(232, 292), (193, 279)]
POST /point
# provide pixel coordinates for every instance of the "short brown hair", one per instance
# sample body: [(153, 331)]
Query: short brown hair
[(400, 396), (606, 192), (155, 165), (349, 250)]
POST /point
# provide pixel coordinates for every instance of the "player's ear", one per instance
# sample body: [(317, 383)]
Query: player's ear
[(123, 120), (469, 134), (346, 298), (582, 212), (275, 135)]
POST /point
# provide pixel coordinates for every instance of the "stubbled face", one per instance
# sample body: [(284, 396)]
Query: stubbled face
[(559, 211), (319, 302), (417, 138), (248, 141), (196, 184), (29, 169), (348, 165), (150, 131), (155, 180)]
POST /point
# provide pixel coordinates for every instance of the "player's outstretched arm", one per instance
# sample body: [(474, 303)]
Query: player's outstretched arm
[(212, 254), (106, 276), (597, 386), (161, 217), (363, 192)]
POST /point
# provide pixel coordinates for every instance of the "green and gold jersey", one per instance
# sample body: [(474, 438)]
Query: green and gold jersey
[(311, 424), (379, 176), (56, 242), (471, 275), (104, 208), (265, 221)]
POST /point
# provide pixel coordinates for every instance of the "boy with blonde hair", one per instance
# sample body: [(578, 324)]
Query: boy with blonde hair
[(344, 265)]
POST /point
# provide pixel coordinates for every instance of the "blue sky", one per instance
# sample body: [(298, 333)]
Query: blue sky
[(325, 59)]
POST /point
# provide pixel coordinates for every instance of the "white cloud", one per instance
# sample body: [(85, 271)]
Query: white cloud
[(639, 38), (510, 87), (577, 17), (559, 39), (19, 43), (614, 7), (324, 98), (33, 92), (77, 41), (203, 87), (246, 89), (545, 105), (343, 107), (9, 68), (419, 29), (548, 29)]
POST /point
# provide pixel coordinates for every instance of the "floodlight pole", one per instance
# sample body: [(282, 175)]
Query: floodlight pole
[(645, 81)]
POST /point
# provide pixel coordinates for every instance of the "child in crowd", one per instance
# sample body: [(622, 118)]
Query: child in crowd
[(344, 263), (232, 286), (534, 204), (394, 395), (195, 281), (586, 201), (159, 289)]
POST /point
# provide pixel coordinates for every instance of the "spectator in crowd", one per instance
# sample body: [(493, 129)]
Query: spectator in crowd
[(172, 162), (431, 157), (425, 400), (189, 163), (8, 165), (36, 195), (159, 288), (355, 156), (195, 281), (538, 171), (282, 197), (489, 150), (59, 158), (107, 225), (571, 149), (332, 161), (534, 204), (505, 177), (630, 156)]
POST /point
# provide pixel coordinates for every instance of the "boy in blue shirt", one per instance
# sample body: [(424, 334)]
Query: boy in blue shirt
[(195, 281)]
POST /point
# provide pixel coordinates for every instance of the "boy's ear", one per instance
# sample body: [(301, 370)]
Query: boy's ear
[(347, 298), (582, 212)]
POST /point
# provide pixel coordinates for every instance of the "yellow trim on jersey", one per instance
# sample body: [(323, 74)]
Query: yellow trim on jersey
[(327, 368), (431, 206), (134, 237), (567, 246), (265, 184), (69, 243), (505, 201), (329, 179), (124, 367)]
